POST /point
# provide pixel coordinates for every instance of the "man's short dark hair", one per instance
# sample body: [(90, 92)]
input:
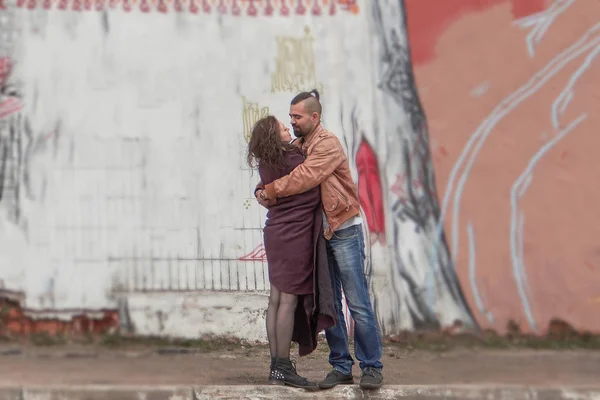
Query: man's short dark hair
[(312, 103)]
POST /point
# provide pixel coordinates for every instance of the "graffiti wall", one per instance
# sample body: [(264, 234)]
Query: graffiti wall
[(509, 111), (468, 125)]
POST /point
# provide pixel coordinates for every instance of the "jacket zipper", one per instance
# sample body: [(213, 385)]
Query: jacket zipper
[(342, 196)]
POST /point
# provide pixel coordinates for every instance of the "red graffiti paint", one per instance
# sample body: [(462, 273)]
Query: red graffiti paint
[(300, 9), (316, 8), (253, 8), (257, 254), (162, 6), (269, 9), (222, 8), (205, 6), (178, 6), (194, 7), (5, 68), (523, 8), (369, 188), (10, 106), (284, 8), (235, 8), (428, 19)]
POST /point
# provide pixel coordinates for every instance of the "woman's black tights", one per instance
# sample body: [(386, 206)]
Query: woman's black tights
[(280, 322)]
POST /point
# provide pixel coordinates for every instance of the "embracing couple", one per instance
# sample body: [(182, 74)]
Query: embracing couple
[(315, 248)]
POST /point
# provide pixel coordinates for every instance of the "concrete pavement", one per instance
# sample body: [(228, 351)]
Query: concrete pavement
[(143, 372), (259, 392)]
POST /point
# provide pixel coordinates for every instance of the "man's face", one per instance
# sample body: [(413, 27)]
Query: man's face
[(302, 122)]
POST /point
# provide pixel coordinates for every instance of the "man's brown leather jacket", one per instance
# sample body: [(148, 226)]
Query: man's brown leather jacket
[(326, 164)]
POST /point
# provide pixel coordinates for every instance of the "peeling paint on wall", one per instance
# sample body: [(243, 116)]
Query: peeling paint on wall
[(18, 321)]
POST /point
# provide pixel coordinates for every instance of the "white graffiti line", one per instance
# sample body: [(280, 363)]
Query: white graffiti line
[(516, 246), (565, 97), (503, 109), (525, 185), (522, 183), (520, 229), (472, 276), (541, 22)]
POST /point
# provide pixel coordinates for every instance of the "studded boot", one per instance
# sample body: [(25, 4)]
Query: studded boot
[(272, 375), (285, 372)]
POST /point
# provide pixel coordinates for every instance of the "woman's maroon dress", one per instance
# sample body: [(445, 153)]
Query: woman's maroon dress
[(297, 258), (289, 232)]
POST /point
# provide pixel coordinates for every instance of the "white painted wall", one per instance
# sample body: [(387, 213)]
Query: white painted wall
[(199, 314), (142, 183)]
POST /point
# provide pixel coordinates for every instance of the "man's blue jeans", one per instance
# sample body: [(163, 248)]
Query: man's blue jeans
[(346, 254)]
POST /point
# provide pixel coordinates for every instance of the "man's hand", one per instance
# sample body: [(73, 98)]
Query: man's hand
[(326, 156)]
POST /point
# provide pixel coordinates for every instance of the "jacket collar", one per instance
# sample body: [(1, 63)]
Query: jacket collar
[(307, 139)]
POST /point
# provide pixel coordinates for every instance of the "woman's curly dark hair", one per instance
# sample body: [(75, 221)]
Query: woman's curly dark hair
[(265, 146)]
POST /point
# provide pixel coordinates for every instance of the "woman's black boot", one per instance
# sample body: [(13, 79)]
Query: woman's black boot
[(272, 377), (285, 371)]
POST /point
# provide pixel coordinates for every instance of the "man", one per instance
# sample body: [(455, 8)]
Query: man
[(326, 165)]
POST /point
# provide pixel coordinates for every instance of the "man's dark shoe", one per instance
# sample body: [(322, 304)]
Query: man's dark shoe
[(335, 378), (371, 378), (285, 374)]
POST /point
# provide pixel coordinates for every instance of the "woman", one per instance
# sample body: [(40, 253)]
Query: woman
[(300, 302)]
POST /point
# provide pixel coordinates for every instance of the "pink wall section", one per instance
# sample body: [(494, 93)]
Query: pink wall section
[(510, 90)]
